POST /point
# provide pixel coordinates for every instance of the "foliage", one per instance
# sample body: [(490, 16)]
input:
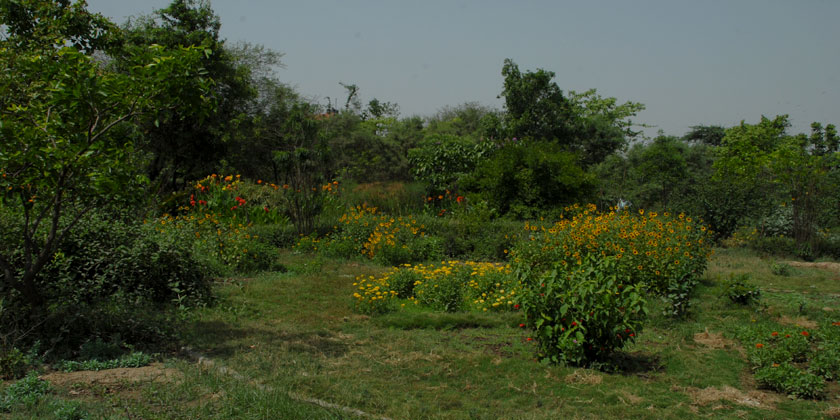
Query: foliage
[(758, 156), (441, 160), (787, 378), (27, 392), (525, 180), (379, 237), (666, 254), (793, 361), (582, 313), (450, 286), (781, 269), (740, 291), (182, 144), (301, 163), (132, 360), (66, 120)]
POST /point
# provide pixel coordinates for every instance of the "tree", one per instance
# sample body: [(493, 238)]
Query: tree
[(64, 117), (535, 106), (584, 123), (185, 146), (765, 156)]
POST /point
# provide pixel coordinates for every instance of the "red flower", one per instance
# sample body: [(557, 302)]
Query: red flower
[(202, 202), (774, 334), (516, 306), (632, 335), (233, 208), (759, 345), (529, 338), (627, 330), (805, 333), (459, 199), (265, 208), (521, 325), (574, 323)]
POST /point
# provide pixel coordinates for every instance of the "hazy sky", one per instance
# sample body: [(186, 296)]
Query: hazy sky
[(690, 62)]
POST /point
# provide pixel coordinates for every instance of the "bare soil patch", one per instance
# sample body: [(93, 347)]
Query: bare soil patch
[(757, 399), (155, 372), (833, 266), (799, 321), (583, 376), (713, 340)]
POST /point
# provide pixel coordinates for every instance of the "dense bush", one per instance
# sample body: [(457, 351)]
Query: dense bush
[(665, 253), (582, 313), (527, 180)]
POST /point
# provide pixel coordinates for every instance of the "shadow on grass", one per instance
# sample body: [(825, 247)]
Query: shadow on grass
[(222, 340), (638, 363)]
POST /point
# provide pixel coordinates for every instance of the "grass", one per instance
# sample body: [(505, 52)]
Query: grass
[(296, 332)]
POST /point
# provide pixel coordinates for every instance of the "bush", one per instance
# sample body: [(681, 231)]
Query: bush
[(781, 269), (526, 181), (738, 290), (449, 286), (582, 313), (385, 239), (784, 377), (667, 254), (27, 391)]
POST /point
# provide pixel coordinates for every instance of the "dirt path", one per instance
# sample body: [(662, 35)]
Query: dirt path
[(833, 266)]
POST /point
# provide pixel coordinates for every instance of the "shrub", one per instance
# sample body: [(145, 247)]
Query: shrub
[(777, 356), (781, 269), (667, 254), (527, 180), (738, 290), (385, 239), (449, 286), (787, 378), (582, 313), (27, 391)]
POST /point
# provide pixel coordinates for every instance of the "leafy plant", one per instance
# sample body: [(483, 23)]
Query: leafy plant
[(582, 313), (787, 378), (27, 391), (133, 360), (738, 289), (781, 269)]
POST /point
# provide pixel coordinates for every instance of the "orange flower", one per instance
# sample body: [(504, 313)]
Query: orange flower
[(805, 333), (775, 334), (759, 345)]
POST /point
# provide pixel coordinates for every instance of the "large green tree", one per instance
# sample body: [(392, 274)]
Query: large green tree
[(183, 145), (66, 120)]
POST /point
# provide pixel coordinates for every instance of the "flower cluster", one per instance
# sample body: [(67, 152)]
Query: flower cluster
[(659, 250), (449, 286), (379, 237)]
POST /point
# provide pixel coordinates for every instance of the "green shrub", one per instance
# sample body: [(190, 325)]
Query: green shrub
[(526, 180), (781, 269), (27, 392), (133, 360), (738, 289), (825, 361), (580, 314), (787, 378)]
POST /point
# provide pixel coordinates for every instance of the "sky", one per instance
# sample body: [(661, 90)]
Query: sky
[(689, 62)]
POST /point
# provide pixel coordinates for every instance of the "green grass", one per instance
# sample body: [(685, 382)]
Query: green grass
[(297, 332)]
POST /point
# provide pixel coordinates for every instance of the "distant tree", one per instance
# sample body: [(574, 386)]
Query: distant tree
[(585, 123), (764, 153), (711, 135)]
